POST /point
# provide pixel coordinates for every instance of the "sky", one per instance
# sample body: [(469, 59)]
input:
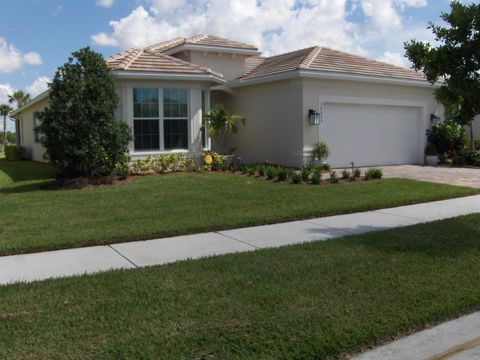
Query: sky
[(37, 36)]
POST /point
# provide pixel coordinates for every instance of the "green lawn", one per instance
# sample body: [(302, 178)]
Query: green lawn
[(33, 219), (299, 302)]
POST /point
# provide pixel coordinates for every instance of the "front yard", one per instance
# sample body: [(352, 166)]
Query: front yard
[(33, 219), (298, 302)]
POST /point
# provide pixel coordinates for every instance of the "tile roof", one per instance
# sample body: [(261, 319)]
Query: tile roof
[(328, 60), (139, 59), (201, 39)]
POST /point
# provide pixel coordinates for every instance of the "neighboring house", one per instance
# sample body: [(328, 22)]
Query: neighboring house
[(370, 113)]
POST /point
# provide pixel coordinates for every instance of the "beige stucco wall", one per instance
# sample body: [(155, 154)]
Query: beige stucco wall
[(34, 150), (476, 128), (273, 122), (314, 89), (232, 66)]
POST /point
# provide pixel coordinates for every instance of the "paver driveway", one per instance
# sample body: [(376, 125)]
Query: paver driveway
[(445, 175)]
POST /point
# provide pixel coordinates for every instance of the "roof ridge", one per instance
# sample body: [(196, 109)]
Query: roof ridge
[(310, 57), (130, 58), (290, 52), (196, 38), (178, 39)]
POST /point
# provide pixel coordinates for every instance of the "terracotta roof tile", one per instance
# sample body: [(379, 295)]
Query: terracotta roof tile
[(329, 60), (144, 60), (201, 39)]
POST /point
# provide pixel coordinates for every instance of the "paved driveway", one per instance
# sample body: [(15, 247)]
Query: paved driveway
[(444, 175)]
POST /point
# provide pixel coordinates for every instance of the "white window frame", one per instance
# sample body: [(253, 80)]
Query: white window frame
[(161, 119)]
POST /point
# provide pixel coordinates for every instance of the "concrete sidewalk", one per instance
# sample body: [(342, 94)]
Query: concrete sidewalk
[(53, 264), (458, 339)]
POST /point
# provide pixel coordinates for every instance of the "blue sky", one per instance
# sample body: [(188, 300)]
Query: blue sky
[(36, 36)]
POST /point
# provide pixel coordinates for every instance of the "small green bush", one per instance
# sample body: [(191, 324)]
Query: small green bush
[(357, 173), (297, 177), (164, 163), (326, 167), (373, 173), (261, 170), (471, 157), (459, 161), (252, 170), (317, 178), (271, 172), (283, 174), (305, 174), (345, 174), (15, 153), (219, 161), (333, 177)]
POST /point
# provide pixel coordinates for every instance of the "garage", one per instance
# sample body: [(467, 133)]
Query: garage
[(371, 135)]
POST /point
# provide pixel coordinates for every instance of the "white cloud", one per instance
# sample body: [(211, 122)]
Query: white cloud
[(273, 25), (32, 58), (38, 86), (105, 3), (12, 59), (394, 59)]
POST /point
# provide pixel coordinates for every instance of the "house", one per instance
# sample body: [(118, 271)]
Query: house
[(370, 113)]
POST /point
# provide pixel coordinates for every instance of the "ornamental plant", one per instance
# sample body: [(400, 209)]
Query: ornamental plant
[(80, 133)]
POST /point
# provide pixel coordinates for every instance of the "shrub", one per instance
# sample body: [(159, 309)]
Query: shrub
[(305, 174), (320, 151), (164, 163), (251, 170), (458, 161), (345, 174), (448, 138), (431, 149), (471, 157), (271, 172), (219, 161), (15, 153), (317, 178), (244, 169), (297, 177), (79, 131), (326, 167), (333, 177), (261, 170), (477, 144), (373, 173), (283, 174)]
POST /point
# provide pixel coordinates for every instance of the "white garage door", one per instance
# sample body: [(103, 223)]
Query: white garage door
[(371, 135)]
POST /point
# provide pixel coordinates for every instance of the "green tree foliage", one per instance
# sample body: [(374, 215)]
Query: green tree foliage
[(19, 97), (456, 60), (221, 122), (80, 133), (4, 112)]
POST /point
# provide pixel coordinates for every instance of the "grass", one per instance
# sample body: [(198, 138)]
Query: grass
[(307, 301), (158, 206)]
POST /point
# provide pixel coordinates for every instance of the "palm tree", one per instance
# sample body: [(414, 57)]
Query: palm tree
[(5, 111), (220, 122), (20, 97)]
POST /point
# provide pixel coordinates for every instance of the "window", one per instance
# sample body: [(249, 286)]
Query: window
[(175, 118), (36, 131), (146, 129)]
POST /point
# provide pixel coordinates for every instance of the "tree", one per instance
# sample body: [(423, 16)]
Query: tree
[(221, 122), (456, 61), (5, 111), (19, 97), (80, 133)]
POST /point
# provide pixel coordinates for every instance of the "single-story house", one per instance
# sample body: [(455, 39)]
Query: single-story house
[(369, 112)]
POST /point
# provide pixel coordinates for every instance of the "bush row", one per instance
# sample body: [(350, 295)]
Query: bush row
[(15, 153)]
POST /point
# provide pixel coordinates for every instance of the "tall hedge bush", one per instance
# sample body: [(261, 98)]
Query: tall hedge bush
[(80, 133)]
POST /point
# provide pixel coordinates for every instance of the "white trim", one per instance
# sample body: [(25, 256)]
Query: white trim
[(313, 74), (166, 76), (211, 48), (32, 102)]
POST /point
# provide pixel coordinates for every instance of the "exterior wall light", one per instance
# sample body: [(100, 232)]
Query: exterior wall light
[(435, 119), (314, 117)]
